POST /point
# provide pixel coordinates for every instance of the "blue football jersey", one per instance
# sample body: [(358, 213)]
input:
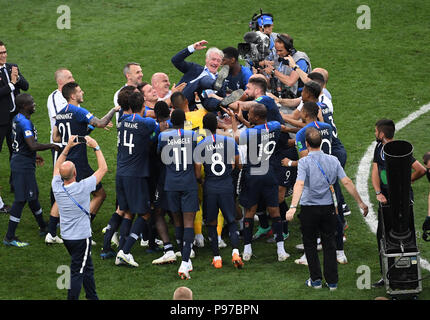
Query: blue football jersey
[(177, 147), (261, 142), (134, 133), (336, 144), (71, 121), (217, 154), (23, 158), (326, 135), (273, 114)]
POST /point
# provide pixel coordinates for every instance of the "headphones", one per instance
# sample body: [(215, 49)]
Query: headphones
[(287, 42)]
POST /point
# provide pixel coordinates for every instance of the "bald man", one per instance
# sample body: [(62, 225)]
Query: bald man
[(183, 293), (73, 200), (161, 84)]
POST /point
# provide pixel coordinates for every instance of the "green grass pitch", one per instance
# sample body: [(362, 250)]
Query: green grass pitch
[(374, 73)]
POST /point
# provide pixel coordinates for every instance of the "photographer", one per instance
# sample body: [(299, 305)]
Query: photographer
[(287, 80)]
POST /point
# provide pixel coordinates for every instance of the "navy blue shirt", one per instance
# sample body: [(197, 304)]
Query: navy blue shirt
[(134, 133), (273, 114), (261, 142), (217, 155), (177, 148), (70, 121), (326, 135), (23, 159), (336, 144)]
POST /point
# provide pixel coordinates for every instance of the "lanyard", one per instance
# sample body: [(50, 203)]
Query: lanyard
[(333, 194), (75, 202)]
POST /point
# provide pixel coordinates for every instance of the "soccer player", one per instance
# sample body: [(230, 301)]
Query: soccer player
[(285, 175), (194, 121), (162, 113), (260, 181), (132, 174), (219, 155), (110, 230), (74, 120), (23, 168), (177, 146)]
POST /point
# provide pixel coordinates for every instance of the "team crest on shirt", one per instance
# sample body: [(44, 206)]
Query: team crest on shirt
[(259, 99)]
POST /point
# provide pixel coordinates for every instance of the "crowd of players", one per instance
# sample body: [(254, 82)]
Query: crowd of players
[(221, 147)]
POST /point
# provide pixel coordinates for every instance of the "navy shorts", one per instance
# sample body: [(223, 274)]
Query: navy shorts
[(212, 202), (183, 201), (133, 194), (83, 171), (286, 175), (25, 186), (257, 188)]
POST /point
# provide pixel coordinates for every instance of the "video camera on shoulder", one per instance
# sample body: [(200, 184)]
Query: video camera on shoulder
[(256, 47)]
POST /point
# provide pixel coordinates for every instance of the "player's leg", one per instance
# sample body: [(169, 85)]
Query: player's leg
[(227, 204), (283, 208), (210, 208), (14, 219), (269, 192), (99, 196), (112, 227), (189, 206), (199, 240), (220, 226), (37, 211), (137, 198)]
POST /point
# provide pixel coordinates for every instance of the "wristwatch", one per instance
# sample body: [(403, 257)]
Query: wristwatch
[(295, 67), (290, 163), (293, 207), (97, 148), (378, 192)]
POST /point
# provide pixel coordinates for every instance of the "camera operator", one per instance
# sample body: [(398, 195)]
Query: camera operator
[(265, 25), (287, 80)]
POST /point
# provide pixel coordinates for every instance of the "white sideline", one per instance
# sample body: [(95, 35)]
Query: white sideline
[(364, 170)]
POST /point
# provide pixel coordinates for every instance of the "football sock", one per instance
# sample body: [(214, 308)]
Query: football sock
[(179, 235), (1, 203), (136, 229), (14, 218), (188, 242), (212, 233), (277, 229), (283, 208), (36, 209), (234, 237), (248, 226), (124, 231), (167, 247), (263, 219), (52, 225), (111, 228)]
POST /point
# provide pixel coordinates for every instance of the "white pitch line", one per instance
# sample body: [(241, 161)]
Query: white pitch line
[(364, 170)]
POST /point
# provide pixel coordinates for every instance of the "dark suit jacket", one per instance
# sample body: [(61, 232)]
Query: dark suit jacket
[(6, 103)]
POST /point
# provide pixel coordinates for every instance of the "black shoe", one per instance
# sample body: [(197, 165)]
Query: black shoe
[(222, 75), (236, 95), (346, 210), (43, 231), (378, 284), (5, 209)]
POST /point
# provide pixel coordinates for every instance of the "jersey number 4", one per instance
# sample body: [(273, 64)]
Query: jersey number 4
[(126, 143)]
